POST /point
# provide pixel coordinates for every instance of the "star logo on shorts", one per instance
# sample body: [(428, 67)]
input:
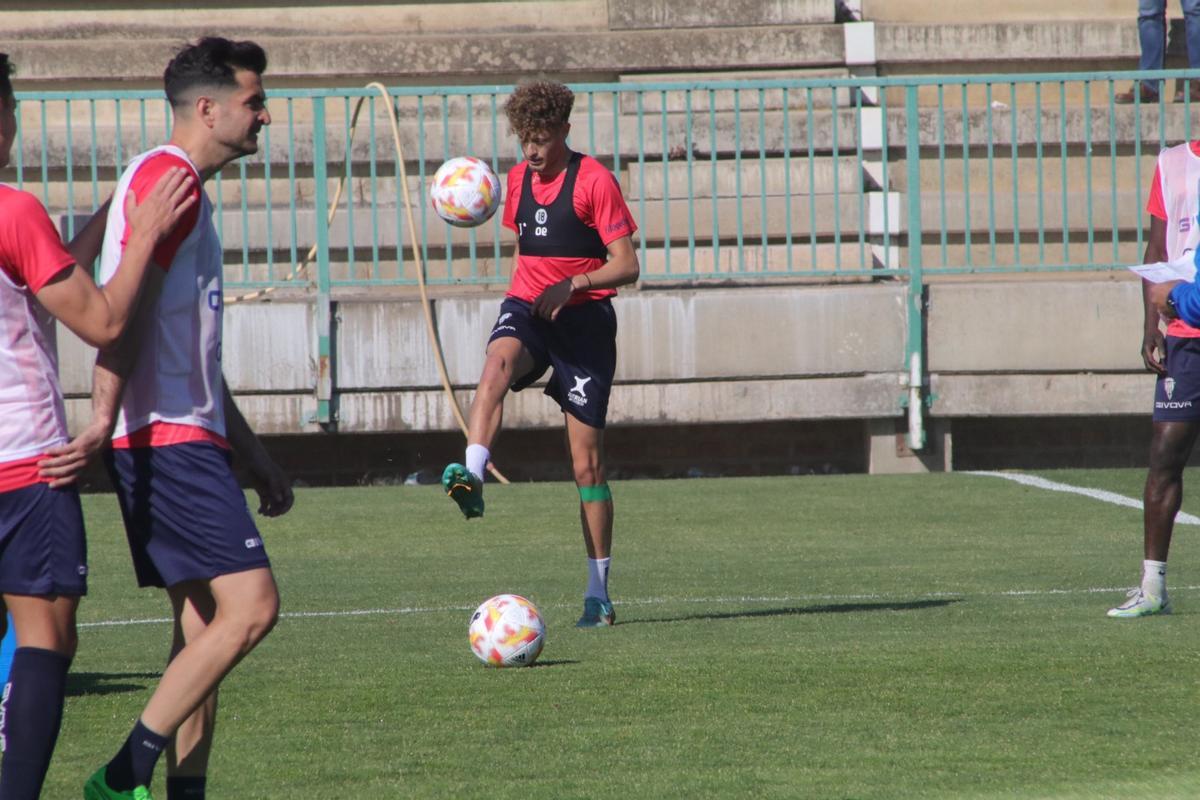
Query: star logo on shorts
[(1169, 386), (577, 395)]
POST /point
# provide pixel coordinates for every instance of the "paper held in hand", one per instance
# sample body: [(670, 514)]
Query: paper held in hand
[(1182, 269)]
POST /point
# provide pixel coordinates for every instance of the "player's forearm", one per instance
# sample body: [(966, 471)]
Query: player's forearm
[(242, 439), (619, 271), (1154, 253), (85, 247), (108, 383)]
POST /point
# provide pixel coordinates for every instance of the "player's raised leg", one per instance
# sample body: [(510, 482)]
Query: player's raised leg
[(586, 446), (1170, 446), (506, 357)]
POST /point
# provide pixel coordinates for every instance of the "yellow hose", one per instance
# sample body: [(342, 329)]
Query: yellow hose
[(426, 306)]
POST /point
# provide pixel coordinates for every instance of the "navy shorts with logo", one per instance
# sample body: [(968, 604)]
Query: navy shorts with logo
[(581, 346), (186, 518), (43, 550), (1177, 394)]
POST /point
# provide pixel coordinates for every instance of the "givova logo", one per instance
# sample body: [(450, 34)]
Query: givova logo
[(1170, 402)]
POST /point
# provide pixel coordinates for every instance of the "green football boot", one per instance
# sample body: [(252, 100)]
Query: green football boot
[(597, 613), (97, 789), (464, 488)]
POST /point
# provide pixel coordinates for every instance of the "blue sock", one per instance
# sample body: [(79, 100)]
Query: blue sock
[(32, 709), (185, 787), (134, 764)]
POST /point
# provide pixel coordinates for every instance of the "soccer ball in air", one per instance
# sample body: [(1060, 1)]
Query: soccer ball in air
[(465, 192), (507, 631)]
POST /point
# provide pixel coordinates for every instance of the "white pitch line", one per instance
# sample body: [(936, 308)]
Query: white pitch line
[(658, 601), (1095, 494)]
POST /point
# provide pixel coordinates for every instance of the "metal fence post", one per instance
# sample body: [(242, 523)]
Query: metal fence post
[(915, 399), (324, 317)]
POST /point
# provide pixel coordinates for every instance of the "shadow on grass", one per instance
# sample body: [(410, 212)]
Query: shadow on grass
[(839, 608), (561, 662), (80, 684)]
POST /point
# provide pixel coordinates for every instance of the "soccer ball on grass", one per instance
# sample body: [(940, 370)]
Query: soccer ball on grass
[(507, 631), (465, 192)]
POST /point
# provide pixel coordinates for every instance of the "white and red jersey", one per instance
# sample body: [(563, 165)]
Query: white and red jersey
[(32, 417), (1175, 199), (174, 393)]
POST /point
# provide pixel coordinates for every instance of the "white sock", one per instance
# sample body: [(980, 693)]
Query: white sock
[(1154, 578), (598, 578), (477, 459)]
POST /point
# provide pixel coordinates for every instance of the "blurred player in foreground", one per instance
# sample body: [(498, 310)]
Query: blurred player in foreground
[(43, 552)]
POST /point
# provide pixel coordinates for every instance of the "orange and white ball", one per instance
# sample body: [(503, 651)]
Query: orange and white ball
[(465, 192), (507, 631)]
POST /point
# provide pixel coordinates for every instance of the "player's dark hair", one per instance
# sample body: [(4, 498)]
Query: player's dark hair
[(538, 106), (210, 62), (7, 68)]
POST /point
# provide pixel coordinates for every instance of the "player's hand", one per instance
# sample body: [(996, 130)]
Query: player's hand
[(552, 299), (274, 488), (64, 463), (156, 216), (1154, 351)]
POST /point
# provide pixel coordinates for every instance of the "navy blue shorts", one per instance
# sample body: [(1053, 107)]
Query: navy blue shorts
[(186, 518), (43, 550), (581, 346), (1177, 395)]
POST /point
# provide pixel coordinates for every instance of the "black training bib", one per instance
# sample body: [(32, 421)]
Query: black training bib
[(554, 230)]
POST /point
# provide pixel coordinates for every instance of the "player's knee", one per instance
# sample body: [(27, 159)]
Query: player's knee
[(497, 371), (263, 619), (254, 620), (588, 471)]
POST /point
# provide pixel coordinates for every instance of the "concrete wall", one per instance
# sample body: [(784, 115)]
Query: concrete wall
[(1006, 347)]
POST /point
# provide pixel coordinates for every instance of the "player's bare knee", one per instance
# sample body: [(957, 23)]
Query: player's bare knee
[(588, 471), (263, 618)]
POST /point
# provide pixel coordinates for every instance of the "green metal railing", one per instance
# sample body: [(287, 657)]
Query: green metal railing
[(828, 178), (740, 180)]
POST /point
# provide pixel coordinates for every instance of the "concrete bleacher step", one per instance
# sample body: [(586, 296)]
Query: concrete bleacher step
[(1008, 42), (36, 19), (1122, 212), (818, 215), (1129, 174), (442, 58), (704, 100), (771, 176), (627, 14), (1029, 255), (658, 264), (1003, 11)]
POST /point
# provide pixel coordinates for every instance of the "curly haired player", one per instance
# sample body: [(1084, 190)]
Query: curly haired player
[(574, 248)]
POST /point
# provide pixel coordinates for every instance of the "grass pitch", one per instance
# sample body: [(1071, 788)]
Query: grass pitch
[(936, 636)]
